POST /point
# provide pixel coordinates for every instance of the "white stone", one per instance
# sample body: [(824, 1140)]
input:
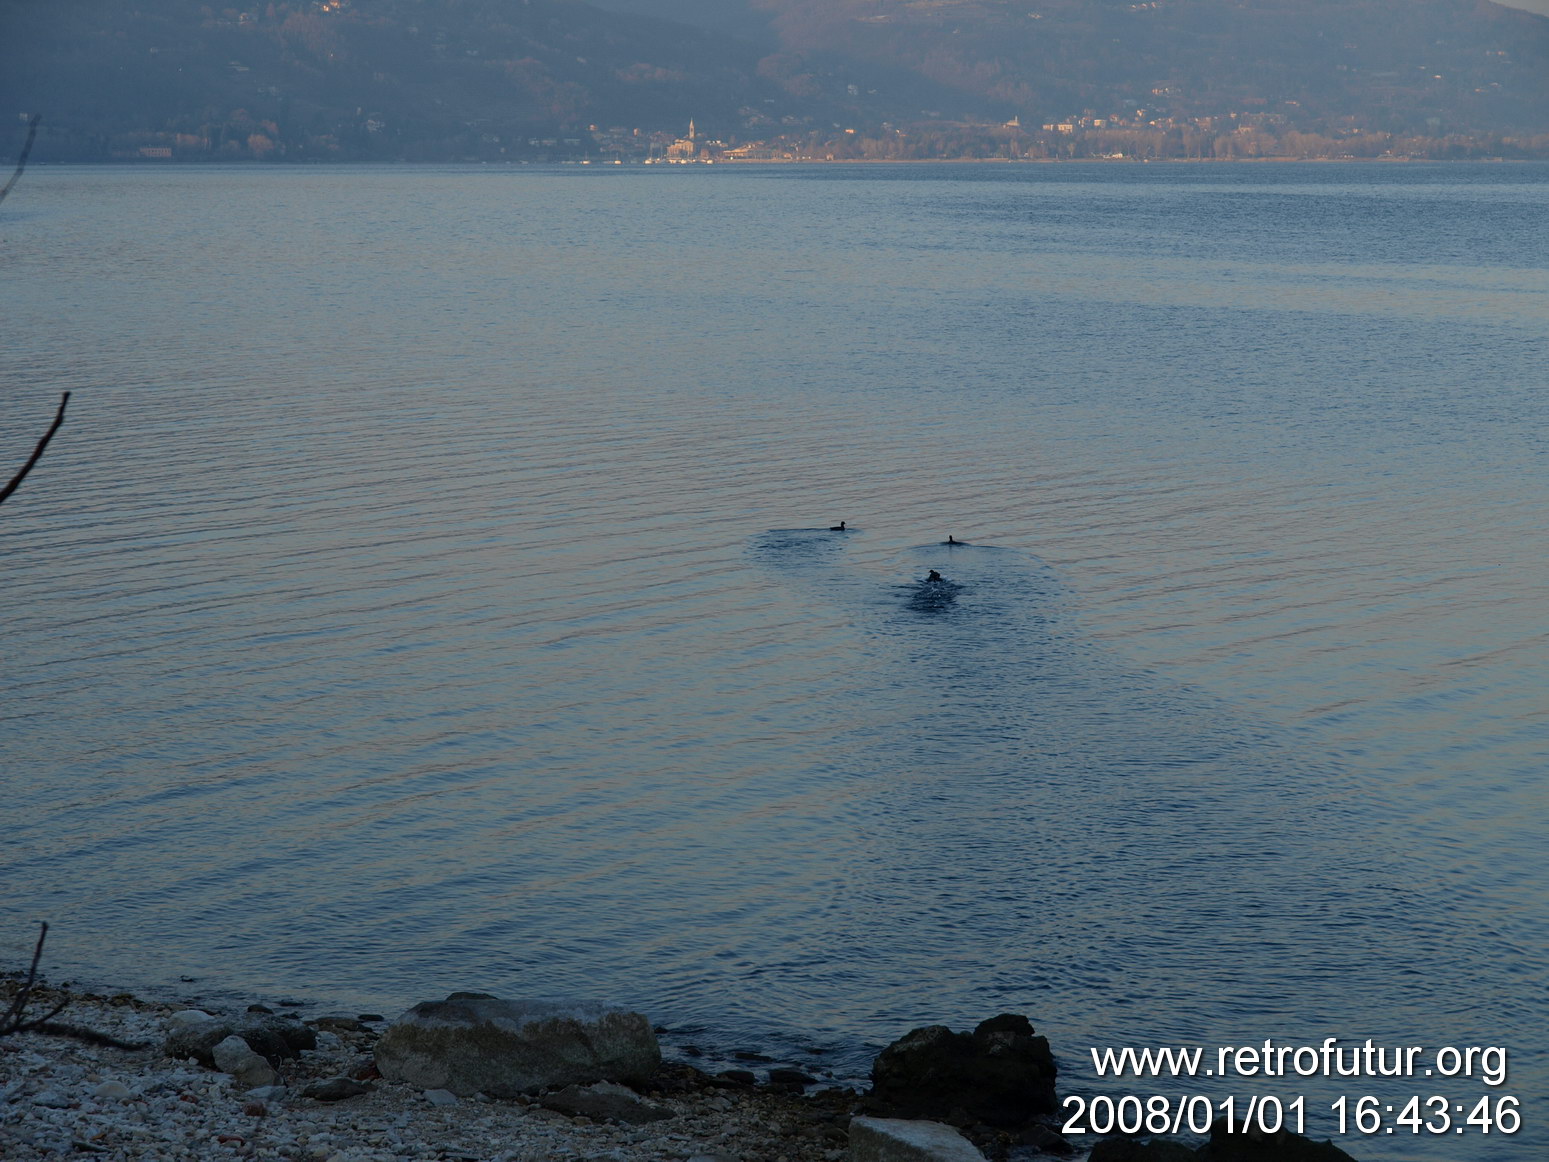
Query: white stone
[(112, 1091), (234, 1056), (898, 1140), (441, 1097), (188, 1018)]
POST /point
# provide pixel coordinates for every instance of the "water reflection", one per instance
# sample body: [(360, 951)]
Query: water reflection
[(375, 662)]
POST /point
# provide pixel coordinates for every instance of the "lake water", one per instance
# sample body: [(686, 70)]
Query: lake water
[(431, 588)]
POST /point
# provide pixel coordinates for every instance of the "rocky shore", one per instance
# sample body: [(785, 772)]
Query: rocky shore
[(62, 1096), (479, 1079)]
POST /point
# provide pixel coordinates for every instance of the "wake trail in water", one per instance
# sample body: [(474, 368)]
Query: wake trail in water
[(1012, 765)]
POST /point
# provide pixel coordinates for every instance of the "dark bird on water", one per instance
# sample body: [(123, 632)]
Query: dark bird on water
[(934, 576), (838, 528), (951, 540)]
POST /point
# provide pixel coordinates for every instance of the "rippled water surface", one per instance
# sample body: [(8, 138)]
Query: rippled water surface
[(432, 588)]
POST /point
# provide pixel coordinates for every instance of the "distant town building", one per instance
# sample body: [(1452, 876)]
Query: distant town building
[(684, 148)]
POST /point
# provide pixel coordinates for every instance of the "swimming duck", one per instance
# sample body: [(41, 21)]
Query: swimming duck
[(838, 528)]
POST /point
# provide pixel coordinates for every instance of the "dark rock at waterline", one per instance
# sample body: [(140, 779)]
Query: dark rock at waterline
[(1254, 1145), (476, 1043), (276, 1036), (1046, 1140), (678, 1077), (1134, 1150), (791, 1077), (739, 1076), (1251, 1145), (270, 1037), (1001, 1074)]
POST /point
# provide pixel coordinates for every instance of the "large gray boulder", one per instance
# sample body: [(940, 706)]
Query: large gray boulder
[(475, 1043), (899, 1140)]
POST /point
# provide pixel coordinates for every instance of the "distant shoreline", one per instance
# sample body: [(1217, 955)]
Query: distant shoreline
[(152, 163), (1128, 161)]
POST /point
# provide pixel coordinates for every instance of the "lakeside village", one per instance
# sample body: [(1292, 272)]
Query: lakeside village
[(1234, 136), (1142, 135)]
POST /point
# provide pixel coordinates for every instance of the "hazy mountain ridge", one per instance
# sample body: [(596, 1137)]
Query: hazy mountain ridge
[(451, 79), (1392, 64), (360, 78)]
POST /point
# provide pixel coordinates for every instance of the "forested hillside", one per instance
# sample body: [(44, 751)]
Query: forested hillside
[(1393, 64), (516, 79), (300, 79)]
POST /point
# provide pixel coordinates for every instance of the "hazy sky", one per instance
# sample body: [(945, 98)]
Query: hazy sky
[(1539, 6)]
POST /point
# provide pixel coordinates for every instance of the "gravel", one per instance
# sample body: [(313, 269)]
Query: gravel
[(62, 1096)]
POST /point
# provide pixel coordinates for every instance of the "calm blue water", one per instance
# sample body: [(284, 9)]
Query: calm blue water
[(431, 588)]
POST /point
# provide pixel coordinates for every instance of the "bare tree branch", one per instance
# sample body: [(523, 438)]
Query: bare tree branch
[(90, 1036), (37, 453), (15, 1019), (21, 162)]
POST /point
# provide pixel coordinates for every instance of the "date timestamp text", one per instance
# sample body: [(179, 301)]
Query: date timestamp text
[(1196, 1114)]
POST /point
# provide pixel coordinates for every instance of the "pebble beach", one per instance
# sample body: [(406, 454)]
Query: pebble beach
[(63, 1095)]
